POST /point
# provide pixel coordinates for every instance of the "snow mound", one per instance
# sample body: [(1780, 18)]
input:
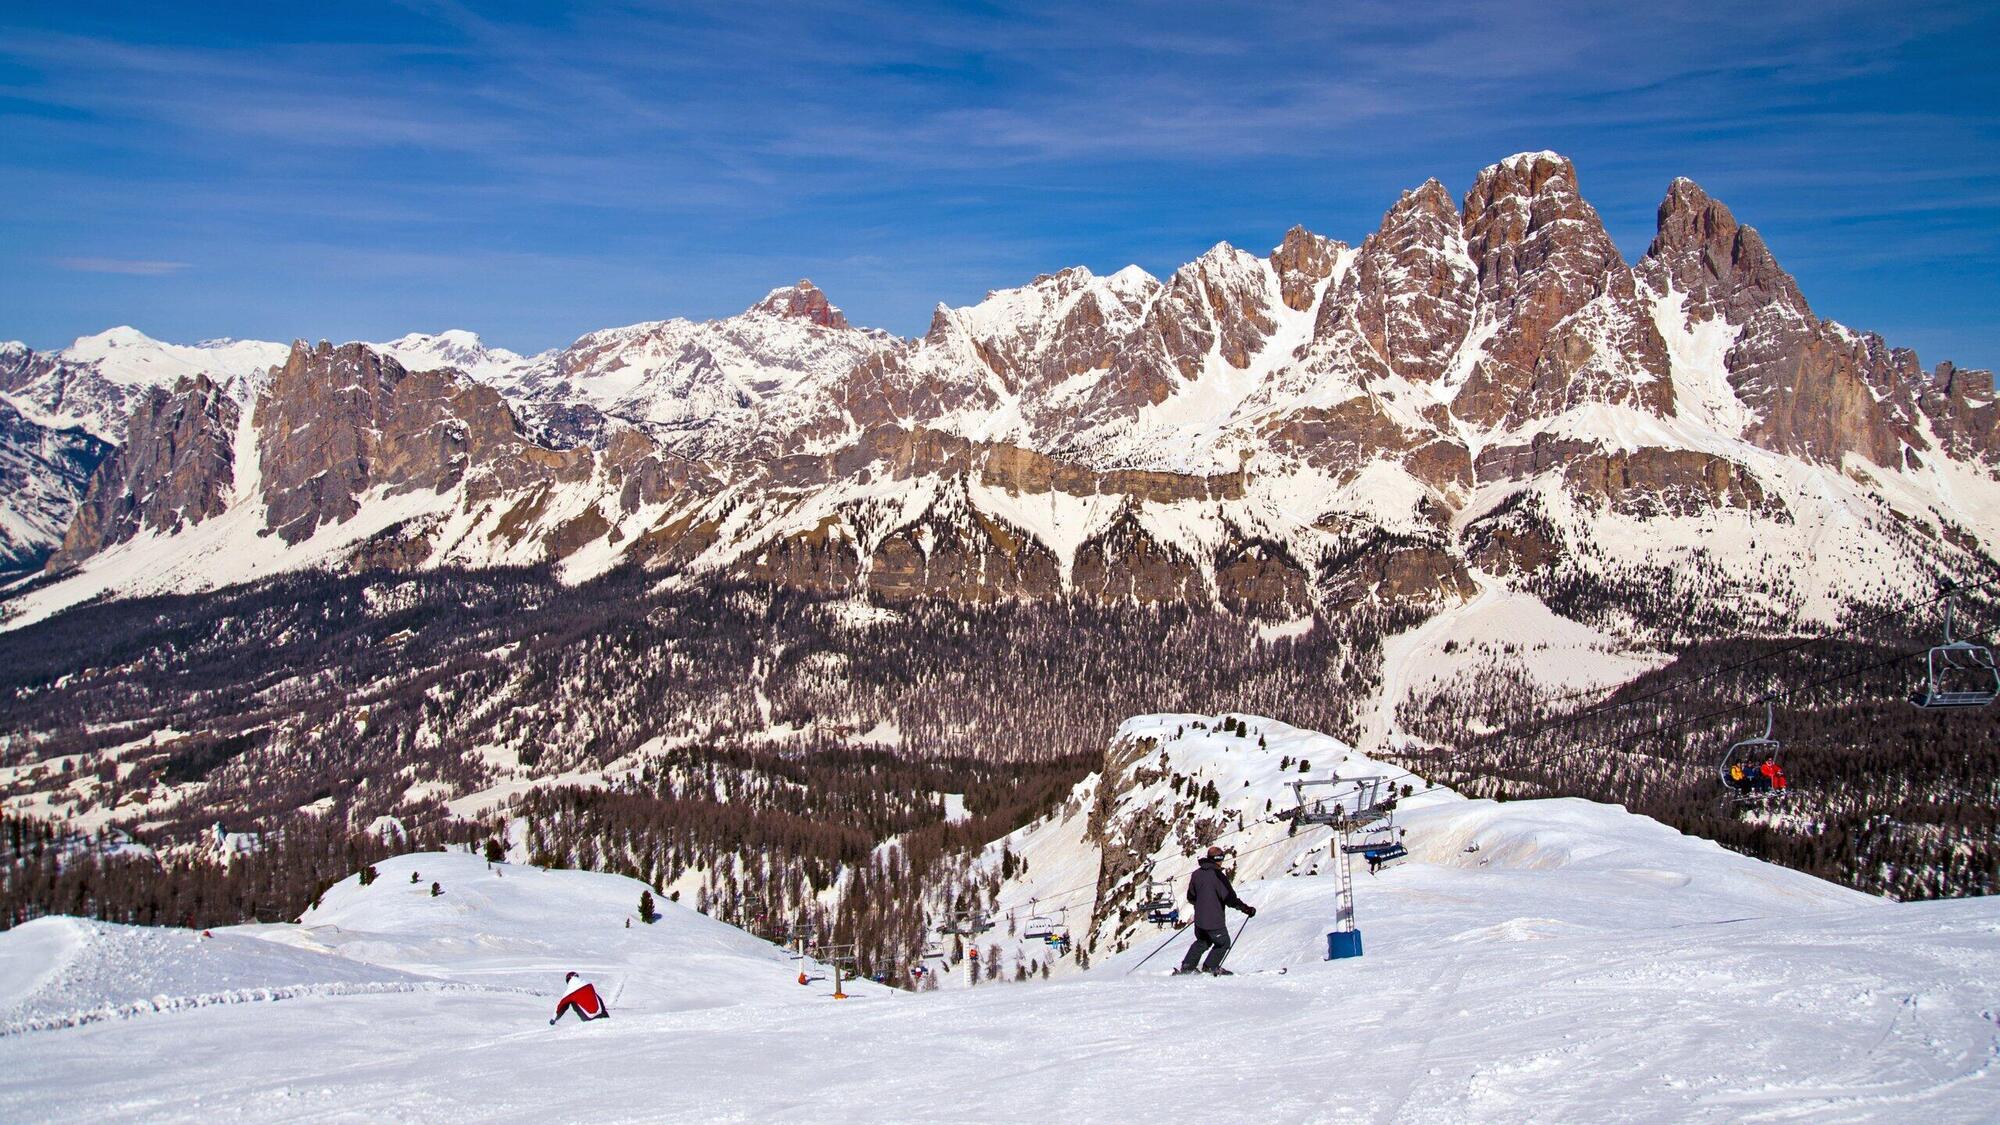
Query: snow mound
[(60, 972), (524, 927)]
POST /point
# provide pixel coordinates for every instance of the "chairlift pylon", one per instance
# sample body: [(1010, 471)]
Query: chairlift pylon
[(1958, 674), (1352, 803)]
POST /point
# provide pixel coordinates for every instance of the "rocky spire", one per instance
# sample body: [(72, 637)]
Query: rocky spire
[(1302, 261), (1725, 269), (1542, 256), (175, 469)]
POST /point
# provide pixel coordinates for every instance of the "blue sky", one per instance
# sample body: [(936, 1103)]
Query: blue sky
[(533, 171)]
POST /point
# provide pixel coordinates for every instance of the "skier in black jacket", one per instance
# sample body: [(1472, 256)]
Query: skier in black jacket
[(1210, 892)]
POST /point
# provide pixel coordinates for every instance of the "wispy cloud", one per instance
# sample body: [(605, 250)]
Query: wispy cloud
[(130, 267), (643, 148)]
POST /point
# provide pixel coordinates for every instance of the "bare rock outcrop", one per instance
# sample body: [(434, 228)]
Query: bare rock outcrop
[(803, 301)]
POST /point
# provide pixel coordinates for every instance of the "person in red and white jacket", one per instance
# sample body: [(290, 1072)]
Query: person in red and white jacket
[(582, 997)]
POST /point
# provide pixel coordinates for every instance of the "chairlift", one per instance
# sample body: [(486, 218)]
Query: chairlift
[(1382, 844), (1040, 926), (1750, 770), (969, 923), (1158, 902), (1059, 933), (1958, 674)]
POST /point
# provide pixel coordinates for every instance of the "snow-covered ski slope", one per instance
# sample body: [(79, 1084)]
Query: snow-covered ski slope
[(1087, 864), (1581, 964)]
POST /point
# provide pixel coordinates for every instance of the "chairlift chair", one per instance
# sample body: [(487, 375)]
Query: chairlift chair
[(1039, 928), (1383, 844), (968, 924), (1959, 674), (1059, 931), (1158, 903), (1748, 757)]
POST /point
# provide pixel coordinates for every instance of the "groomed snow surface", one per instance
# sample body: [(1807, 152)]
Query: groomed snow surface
[(1580, 964)]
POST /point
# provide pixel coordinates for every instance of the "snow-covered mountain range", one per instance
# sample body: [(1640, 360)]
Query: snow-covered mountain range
[(1478, 390)]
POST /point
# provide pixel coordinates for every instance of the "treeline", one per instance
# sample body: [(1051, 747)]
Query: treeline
[(808, 732), (770, 835), (47, 869), (1883, 797), (777, 741)]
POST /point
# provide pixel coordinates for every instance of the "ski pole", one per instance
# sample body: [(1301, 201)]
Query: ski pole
[(1155, 953)]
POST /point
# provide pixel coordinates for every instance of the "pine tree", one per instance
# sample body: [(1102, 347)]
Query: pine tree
[(436, 890), (646, 907), (494, 852)]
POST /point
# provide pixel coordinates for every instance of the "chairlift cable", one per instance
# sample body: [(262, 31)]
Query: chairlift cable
[(1610, 702), (1662, 728)]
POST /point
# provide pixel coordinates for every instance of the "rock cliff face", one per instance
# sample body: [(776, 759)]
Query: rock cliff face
[(1809, 387), (1480, 386), (44, 472), (338, 422), (175, 469), (1568, 324), (1414, 286)]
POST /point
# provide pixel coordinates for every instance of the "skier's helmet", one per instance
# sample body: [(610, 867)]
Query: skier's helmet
[(568, 977), (1215, 851)]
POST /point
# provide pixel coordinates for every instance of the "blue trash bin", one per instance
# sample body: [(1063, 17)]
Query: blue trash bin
[(1343, 943)]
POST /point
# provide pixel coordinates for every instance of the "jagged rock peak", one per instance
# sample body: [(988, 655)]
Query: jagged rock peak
[(1414, 284), (1541, 163), (1702, 251), (175, 468), (803, 301), (1431, 195), (1067, 275), (1525, 213), (1527, 175)]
